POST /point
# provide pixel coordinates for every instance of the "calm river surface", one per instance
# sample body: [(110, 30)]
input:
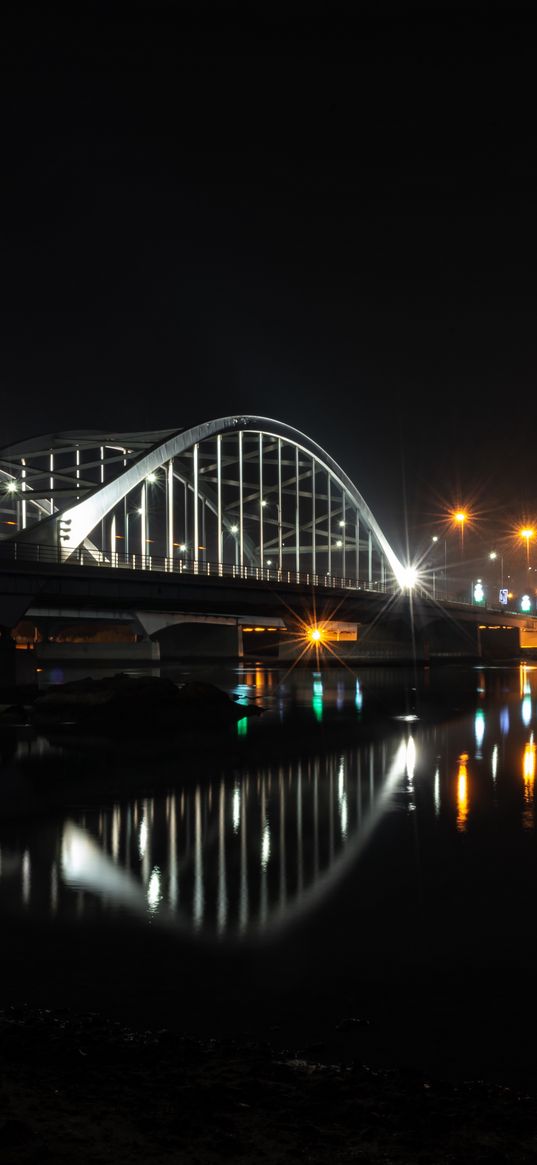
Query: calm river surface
[(365, 850)]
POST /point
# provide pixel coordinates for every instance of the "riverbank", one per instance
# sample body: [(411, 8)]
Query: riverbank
[(86, 1088)]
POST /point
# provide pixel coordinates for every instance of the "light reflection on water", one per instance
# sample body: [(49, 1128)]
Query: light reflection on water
[(246, 853), (227, 858)]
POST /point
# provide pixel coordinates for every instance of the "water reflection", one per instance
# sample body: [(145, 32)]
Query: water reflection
[(479, 731), (494, 763), (462, 792), (528, 775), (317, 697), (242, 853), (227, 859)]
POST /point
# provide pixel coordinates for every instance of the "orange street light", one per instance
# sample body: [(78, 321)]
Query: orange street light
[(527, 533), (460, 516)]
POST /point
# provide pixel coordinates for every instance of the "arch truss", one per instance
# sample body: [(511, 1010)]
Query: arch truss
[(235, 495)]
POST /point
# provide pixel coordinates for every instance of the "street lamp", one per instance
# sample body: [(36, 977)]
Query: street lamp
[(435, 539), (235, 530), (527, 534), (460, 517), (264, 504), (493, 556)]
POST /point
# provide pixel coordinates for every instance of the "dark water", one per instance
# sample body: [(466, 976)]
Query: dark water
[(365, 850)]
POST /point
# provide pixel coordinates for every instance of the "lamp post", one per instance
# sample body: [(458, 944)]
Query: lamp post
[(234, 530), (264, 504), (128, 515), (527, 533), (493, 556), (435, 539), (343, 545), (460, 517)]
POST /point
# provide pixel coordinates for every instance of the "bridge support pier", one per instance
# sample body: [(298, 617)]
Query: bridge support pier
[(193, 636)]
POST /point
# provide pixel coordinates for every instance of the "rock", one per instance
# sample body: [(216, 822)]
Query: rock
[(139, 704), (348, 1024)]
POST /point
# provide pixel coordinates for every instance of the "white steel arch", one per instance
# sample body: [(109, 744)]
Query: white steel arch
[(259, 443)]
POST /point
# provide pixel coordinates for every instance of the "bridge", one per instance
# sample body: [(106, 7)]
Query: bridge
[(240, 518)]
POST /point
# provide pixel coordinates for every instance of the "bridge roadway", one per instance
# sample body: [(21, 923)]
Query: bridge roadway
[(70, 589)]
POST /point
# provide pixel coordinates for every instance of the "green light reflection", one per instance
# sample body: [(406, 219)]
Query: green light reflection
[(317, 697)]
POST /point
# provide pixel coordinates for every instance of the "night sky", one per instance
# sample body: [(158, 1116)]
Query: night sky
[(329, 220)]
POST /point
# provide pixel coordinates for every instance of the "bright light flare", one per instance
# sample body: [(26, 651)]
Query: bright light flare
[(409, 578), (315, 634)]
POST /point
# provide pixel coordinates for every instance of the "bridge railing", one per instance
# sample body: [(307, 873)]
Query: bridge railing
[(29, 552)]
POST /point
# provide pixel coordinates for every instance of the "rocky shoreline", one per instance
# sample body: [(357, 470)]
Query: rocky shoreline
[(88, 1088)]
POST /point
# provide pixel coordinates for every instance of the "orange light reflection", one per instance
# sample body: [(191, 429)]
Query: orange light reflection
[(462, 793), (528, 775)]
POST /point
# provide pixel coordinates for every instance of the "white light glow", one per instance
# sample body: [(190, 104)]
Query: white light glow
[(154, 894), (342, 798), (236, 809), (410, 759), (142, 839), (494, 762), (85, 866), (408, 578), (265, 846)]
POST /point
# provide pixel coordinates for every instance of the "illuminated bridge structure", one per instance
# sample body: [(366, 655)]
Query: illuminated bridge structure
[(239, 522), (241, 497)]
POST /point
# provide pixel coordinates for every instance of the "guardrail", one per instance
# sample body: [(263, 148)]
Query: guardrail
[(29, 552), (34, 553)]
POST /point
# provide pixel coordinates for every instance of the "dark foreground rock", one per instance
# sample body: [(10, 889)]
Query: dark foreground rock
[(86, 1089), (138, 705)]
